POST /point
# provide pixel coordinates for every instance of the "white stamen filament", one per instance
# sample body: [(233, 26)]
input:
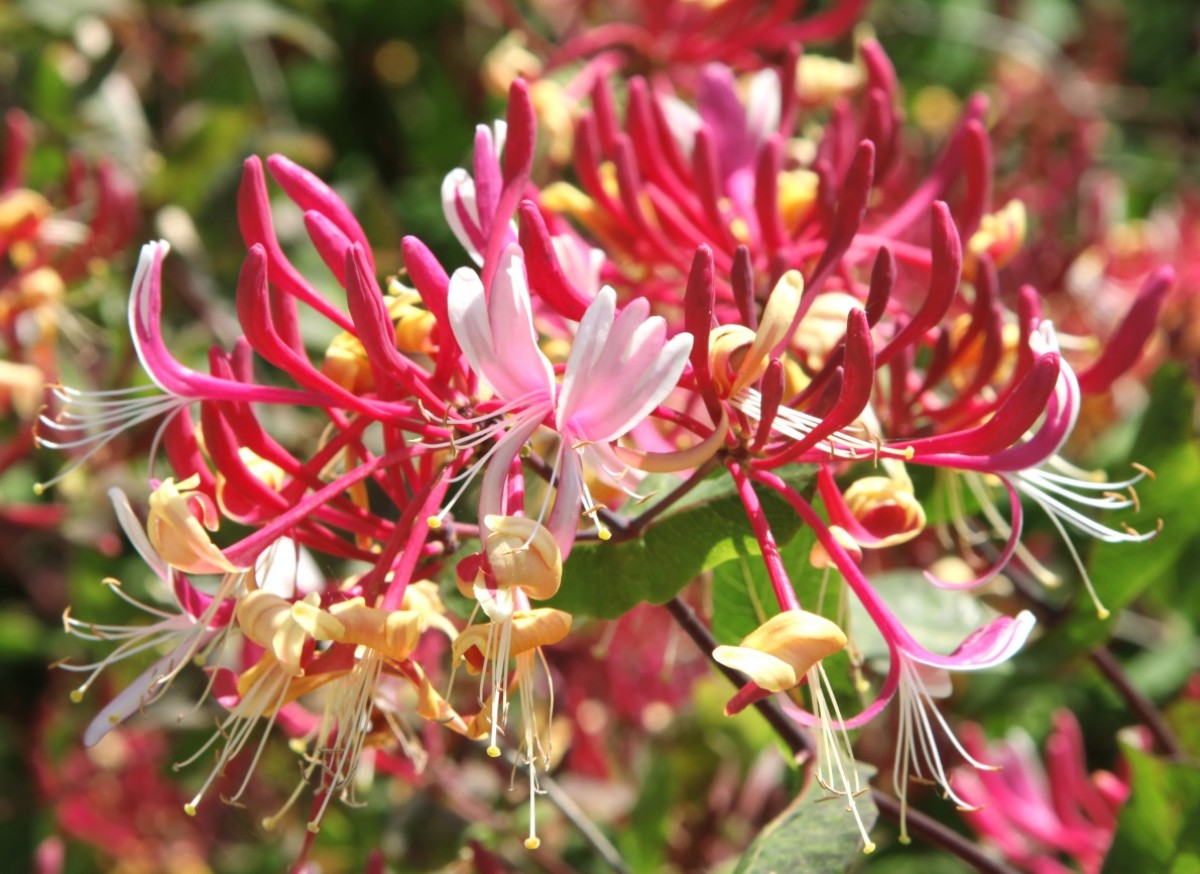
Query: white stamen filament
[(834, 750)]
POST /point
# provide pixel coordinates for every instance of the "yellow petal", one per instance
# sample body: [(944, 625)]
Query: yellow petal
[(394, 633), (178, 536), (523, 553), (778, 653), (543, 626), (769, 672), (774, 327)]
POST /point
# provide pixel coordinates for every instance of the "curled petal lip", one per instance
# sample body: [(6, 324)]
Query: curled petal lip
[(986, 647)]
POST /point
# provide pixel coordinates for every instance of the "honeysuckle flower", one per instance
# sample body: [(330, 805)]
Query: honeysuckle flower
[(1037, 809), (779, 653), (884, 508), (178, 536), (914, 672), (89, 421), (373, 643), (621, 367), (523, 562), (187, 633)]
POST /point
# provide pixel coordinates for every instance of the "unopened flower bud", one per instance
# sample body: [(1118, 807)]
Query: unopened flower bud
[(886, 506)]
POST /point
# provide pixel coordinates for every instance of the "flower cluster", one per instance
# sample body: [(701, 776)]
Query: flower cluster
[(720, 292), (1036, 812)]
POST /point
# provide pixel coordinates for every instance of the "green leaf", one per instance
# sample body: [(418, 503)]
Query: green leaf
[(1159, 828), (810, 837), (707, 529), (742, 595)]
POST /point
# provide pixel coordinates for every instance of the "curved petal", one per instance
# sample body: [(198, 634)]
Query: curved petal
[(497, 335), (986, 647), (458, 205), (768, 671), (585, 352), (526, 370), (636, 392)]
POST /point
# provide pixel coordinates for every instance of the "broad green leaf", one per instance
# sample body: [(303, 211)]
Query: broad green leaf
[(709, 528), (742, 595), (810, 837), (1159, 827)]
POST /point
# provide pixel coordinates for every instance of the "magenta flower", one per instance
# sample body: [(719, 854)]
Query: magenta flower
[(1037, 810), (621, 367)]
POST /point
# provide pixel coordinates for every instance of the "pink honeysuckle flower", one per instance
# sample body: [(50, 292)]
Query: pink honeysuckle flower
[(188, 632), (101, 416), (621, 367), (1036, 810), (479, 207), (916, 676), (1029, 466)]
